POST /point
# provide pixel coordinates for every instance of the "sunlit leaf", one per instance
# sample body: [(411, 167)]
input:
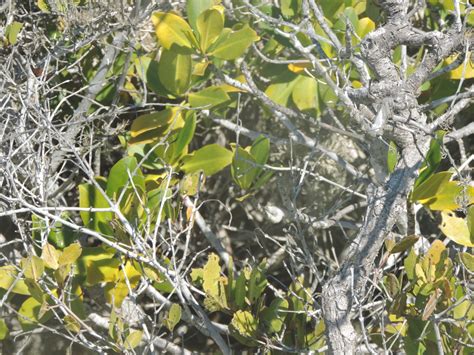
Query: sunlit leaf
[(133, 339), (173, 32), (173, 318), (456, 228), (210, 24), (70, 254), (232, 45), (9, 279), (210, 159)]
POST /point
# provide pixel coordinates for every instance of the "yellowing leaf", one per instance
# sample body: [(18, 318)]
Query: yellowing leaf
[(173, 32), (305, 93), (173, 318), (4, 331), (72, 324), (133, 339), (8, 277), (50, 256), (299, 68), (210, 24), (364, 26), (155, 120), (456, 229), (33, 267), (70, 254), (115, 292), (466, 67)]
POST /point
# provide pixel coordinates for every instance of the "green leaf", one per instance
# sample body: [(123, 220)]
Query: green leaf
[(98, 264), (208, 97), (185, 135), (305, 93), (119, 177), (438, 193), (189, 185), (133, 339), (274, 315), (44, 6), (281, 88), (240, 290), (468, 261), (70, 254), (90, 196), (173, 32), (290, 8), (194, 8), (174, 71), (404, 244), (210, 159), (210, 24), (12, 30), (30, 314), (409, 264), (33, 267), (257, 283), (173, 318), (4, 331), (430, 187), (392, 157), (72, 324), (244, 168), (260, 150), (50, 256), (154, 120), (433, 158), (9, 277), (234, 44)]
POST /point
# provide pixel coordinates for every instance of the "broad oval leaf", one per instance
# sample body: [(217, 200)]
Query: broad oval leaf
[(210, 159), (232, 45), (133, 339), (173, 32), (154, 120), (174, 316), (457, 228), (31, 313), (210, 24), (9, 280), (119, 176), (33, 267), (50, 256), (305, 93), (174, 71), (208, 97), (70, 254), (194, 8)]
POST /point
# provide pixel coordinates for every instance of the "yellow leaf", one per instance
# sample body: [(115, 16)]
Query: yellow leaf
[(151, 121), (365, 26), (456, 229), (70, 254), (50, 256), (210, 25), (467, 66), (173, 32), (299, 68)]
